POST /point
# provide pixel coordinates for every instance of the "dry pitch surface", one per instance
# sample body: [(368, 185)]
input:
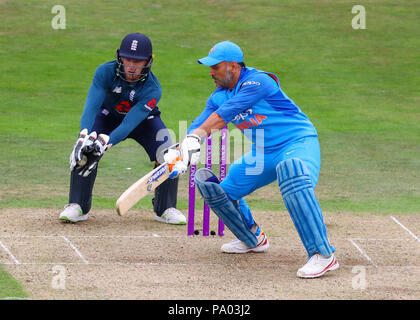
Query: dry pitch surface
[(136, 257)]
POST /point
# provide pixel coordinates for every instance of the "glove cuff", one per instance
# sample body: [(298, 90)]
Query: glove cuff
[(193, 135)]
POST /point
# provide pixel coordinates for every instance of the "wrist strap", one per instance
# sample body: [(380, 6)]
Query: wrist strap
[(193, 135)]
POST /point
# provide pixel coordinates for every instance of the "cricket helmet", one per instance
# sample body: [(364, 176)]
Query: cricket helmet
[(135, 46)]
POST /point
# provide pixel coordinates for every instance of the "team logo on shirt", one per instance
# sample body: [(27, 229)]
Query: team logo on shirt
[(117, 90)]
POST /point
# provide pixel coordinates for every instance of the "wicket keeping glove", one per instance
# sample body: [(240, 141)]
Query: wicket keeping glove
[(94, 153), (176, 167), (76, 157), (190, 149)]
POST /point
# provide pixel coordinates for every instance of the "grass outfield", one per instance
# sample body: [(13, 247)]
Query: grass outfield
[(9, 287), (359, 88)]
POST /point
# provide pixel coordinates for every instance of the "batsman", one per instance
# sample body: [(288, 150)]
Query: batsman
[(121, 103), (285, 148)]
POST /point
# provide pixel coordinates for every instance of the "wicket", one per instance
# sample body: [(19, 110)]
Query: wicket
[(191, 190)]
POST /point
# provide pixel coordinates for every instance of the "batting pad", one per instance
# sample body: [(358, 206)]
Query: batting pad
[(225, 208), (301, 202)]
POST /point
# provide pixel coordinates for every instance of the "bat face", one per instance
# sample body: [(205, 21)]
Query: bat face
[(142, 188)]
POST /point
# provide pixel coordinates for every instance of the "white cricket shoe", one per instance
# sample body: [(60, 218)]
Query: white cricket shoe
[(317, 266), (73, 213), (172, 216), (237, 246)]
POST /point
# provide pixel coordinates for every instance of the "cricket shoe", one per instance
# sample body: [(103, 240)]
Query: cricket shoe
[(238, 246), (172, 216), (317, 266), (73, 213)]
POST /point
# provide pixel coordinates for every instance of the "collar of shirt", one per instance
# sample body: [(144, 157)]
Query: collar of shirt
[(241, 76)]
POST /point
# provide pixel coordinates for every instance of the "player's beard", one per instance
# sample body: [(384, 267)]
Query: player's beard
[(132, 76), (226, 81)]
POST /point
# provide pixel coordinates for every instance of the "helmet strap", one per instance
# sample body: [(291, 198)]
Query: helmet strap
[(119, 64)]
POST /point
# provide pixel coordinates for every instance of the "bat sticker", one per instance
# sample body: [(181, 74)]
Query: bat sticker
[(156, 176)]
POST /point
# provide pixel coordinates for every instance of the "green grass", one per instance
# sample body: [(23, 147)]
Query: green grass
[(359, 88), (9, 287)]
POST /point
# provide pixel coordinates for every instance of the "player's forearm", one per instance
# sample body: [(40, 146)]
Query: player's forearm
[(94, 100), (213, 122)]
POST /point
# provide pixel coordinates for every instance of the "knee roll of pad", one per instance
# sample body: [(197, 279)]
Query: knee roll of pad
[(224, 207), (301, 202), (293, 176)]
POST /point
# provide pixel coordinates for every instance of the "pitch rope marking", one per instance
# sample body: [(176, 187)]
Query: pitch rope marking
[(75, 249), (405, 228), (16, 261), (363, 253)]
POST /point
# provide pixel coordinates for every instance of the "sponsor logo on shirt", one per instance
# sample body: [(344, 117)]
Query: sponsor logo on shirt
[(123, 107), (150, 105), (243, 115), (247, 83), (247, 119)]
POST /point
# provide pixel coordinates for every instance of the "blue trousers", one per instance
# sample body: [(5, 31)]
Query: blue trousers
[(259, 168)]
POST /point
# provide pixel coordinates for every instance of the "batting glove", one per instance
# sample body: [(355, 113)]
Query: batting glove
[(176, 167), (190, 149), (94, 153)]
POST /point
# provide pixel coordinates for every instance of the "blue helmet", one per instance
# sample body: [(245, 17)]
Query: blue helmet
[(135, 46)]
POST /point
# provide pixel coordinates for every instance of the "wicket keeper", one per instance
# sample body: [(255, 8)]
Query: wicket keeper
[(122, 103), (285, 149)]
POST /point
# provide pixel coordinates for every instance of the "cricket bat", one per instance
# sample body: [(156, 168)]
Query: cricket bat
[(142, 188)]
